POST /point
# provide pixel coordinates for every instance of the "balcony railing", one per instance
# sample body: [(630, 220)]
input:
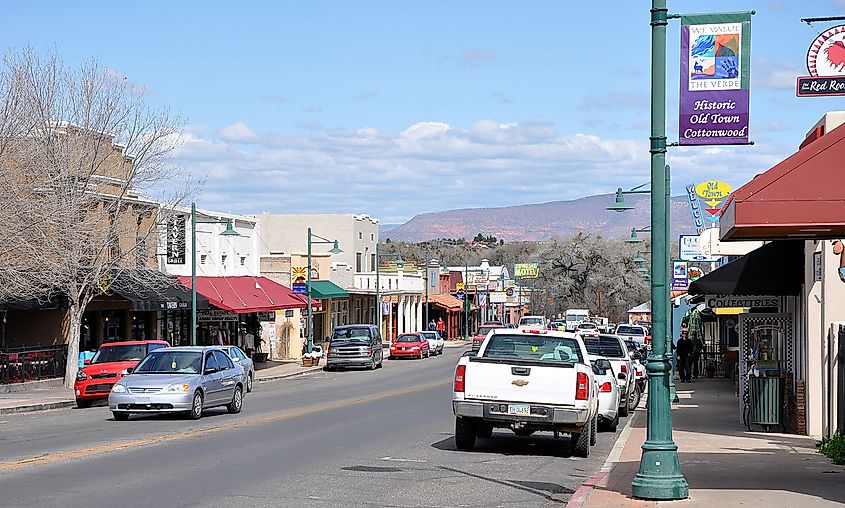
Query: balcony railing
[(20, 365)]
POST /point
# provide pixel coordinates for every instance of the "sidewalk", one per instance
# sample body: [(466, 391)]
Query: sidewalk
[(274, 370), (38, 399), (725, 465)]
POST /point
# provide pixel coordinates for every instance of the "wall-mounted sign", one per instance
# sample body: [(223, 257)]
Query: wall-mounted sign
[(526, 270), (713, 193), (298, 274), (176, 240), (715, 76), (509, 292), (817, 266), (212, 315), (695, 209), (689, 250), (722, 301), (694, 273), (476, 278), (299, 288), (498, 297)]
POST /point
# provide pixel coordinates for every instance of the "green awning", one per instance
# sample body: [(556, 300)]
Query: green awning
[(322, 289)]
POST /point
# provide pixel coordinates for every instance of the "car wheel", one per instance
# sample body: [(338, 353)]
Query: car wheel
[(464, 434), (614, 424), (196, 406), (249, 383), (83, 403), (484, 431), (594, 431), (121, 417), (237, 403), (579, 442), (634, 399), (623, 409)]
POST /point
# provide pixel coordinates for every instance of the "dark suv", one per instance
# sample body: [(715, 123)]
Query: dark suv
[(355, 346)]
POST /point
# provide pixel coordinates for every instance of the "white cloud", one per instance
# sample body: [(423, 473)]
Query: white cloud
[(433, 165), (766, 73), (238, 132), (476, 56)]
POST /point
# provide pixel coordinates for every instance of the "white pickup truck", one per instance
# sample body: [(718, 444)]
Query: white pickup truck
[(526, 381)]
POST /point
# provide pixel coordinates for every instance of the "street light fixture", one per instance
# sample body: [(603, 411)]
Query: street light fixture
[(334, 250), (639, 258), (634, 238), (620, 205), (229, 231)]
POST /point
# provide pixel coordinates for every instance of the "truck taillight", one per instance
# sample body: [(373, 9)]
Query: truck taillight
[(582, 386), (624, 369), (460, 378), (605, 387)]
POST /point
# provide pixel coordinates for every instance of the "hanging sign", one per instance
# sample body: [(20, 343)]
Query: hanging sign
[(691, 251), (299, 288), (498, 297), (176, 240), (695, 209), (715, 76), (826, 65)]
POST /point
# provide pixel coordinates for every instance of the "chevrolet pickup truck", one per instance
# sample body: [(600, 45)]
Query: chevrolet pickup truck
[(526, 380)]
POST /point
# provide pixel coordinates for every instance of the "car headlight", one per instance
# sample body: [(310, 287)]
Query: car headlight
[(81, 376), (179, 388), (118, 388), (415, 347)]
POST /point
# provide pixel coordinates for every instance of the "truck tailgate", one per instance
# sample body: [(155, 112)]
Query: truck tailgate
[(548, 385)]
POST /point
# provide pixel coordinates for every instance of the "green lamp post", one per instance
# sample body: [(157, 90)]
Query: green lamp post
[(334, 250), (660, 474), (230, 231)]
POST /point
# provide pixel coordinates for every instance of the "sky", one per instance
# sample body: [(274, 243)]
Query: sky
[(398, 108)]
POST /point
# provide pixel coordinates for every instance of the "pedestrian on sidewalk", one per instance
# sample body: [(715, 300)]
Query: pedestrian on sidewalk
[(441, 327), (695, 332), (683, 351), (432, 326)]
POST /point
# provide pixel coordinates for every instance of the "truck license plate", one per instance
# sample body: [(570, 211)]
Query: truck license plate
[(519, 409)]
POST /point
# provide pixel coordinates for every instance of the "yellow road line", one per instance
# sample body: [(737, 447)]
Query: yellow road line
[(67, 455)]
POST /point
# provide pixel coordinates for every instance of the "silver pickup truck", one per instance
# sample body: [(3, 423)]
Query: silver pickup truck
[(526, 380)]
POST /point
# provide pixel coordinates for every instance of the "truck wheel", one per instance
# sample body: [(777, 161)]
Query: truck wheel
[(623, 409), (614, 423), (579, 442), (484, 431), (464, 434), (634, 399), (523, 432), (594, 431)]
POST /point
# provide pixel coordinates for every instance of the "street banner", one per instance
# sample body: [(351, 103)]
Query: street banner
[(680, 279), (482, 300), (526, 270), (715, 76)]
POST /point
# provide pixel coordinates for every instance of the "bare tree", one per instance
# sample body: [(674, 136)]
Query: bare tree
[(86, 180)]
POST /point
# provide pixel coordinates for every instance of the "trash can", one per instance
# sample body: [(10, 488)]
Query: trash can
[(766, 397)]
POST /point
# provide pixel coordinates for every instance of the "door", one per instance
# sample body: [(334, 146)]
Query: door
[(840, 385), (213, 380), (766, 344), (230, 376), (378, 347)]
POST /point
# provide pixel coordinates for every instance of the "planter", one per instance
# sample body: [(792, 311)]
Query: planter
[(307, 362)]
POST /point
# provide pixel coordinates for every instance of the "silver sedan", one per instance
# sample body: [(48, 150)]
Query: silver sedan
[(181, 379), (240, 358)]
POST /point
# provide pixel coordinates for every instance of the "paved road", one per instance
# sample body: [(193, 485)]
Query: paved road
[(354, 438)]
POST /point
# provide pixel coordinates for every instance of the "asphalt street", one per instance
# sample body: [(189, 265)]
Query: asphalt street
[(351, 438)]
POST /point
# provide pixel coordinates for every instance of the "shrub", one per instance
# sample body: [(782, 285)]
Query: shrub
[(834, 448)]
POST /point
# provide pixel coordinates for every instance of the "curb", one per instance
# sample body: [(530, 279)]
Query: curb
[(303, 373), (579, 498), (37, 407)]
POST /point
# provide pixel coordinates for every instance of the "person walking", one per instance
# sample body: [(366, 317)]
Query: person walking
[(683, 351), (441, 327), (432, 326)]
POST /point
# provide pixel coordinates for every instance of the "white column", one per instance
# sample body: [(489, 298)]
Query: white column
[(400, 315), (389, 323), (420, 324), (408, 315)]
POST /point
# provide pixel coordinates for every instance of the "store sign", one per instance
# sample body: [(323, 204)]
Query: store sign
[(695, 208), (174, 305), (817, 266), (694, 273), (728, 301), (509, 292), (715, 76), (214, 315), (526, 270), (689, 250), (826, 65), (680, 278), (498, 297), (476, 278), (176, 240), (299, 288)]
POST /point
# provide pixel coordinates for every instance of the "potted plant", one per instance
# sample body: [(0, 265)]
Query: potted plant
[(311, 359)]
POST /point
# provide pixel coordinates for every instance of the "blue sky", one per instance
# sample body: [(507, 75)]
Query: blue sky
[(400, 108)]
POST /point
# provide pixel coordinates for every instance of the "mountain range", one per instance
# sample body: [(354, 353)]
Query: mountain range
[(541, 221)]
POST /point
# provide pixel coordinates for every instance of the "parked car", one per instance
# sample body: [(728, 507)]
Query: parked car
[(96, 378), (536, 322), (355, 346), (526, 381), (179, 379), (557, 325), (587, 329), (410, 345), (238, 356), (614, 349), (435, 342), (481, 334), (637, 333), (608, 393), (511, 325)]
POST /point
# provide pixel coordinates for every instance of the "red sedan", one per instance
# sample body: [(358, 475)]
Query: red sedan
[(481, 334), (410, 345), (95, 380)]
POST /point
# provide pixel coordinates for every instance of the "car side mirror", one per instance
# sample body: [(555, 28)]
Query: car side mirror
[(87, 361), (636, 356), (622, 376), (130, 370), (208, 371)]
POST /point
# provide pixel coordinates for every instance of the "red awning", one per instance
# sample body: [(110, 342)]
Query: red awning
[(802, 197), (246, 294)]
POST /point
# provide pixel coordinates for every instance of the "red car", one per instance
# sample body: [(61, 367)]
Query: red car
[(481, 334), (95, 379), (410, 345)]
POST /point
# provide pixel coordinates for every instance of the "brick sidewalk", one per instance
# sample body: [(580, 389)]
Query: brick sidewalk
[(725, 465)]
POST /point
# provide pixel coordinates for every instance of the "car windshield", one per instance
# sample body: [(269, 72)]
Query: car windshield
[(127, 353), (430, 335), (171, 362), (484, 330), (351, 334), (630, 330), (533, 347), (408, 338), (596, 369), (604, 346), (532, 321), (587, 326)]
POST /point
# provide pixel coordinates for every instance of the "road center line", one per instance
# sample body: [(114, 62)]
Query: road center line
[(69, 455)]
